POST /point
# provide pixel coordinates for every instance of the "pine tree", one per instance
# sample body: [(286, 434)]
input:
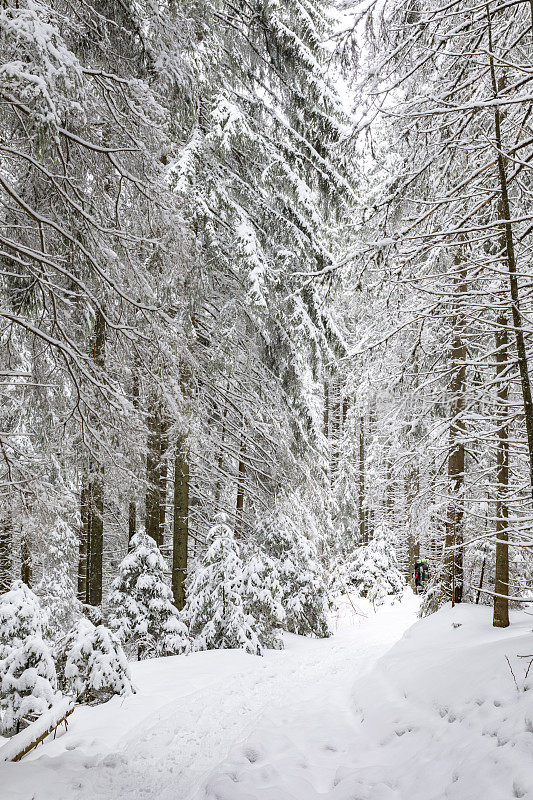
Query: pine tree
[(91, 664), (141, 610), (21, 616), (56, 589), (374, 571), (305, 596), (231, 603), (28, 684)]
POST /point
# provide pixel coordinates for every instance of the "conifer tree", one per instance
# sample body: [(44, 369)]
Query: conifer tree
[(374, 570), (141, 611), (28, 684), (232, 603), (91, 664), (21, 617), (305, 596), (56, 590)]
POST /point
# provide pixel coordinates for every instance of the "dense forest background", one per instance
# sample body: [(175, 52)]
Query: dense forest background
[(265, 317)]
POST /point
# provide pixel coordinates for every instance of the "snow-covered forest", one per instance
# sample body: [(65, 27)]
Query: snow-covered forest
[(266, 325)]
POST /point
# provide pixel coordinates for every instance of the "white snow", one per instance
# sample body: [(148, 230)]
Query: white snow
[(439, 716)]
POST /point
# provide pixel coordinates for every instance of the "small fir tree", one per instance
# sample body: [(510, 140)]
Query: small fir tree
[(28, 684), (232, 604), (375, 564), (141, 608), (56, 589), (305, 595), (21, 616), (91, 664)]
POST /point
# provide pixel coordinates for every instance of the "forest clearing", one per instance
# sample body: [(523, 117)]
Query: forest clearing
[(266, 415)]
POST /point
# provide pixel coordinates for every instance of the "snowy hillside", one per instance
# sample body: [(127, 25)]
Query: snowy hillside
[(437, 716)]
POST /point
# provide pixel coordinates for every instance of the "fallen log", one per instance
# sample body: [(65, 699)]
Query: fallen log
[(25, 741)]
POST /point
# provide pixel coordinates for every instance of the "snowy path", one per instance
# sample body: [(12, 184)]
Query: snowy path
[(219, 722)]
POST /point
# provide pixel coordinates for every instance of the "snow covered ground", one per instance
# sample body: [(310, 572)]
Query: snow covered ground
[(439, 716)]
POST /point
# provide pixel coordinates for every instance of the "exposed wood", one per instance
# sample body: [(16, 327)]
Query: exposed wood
[(18, 746)]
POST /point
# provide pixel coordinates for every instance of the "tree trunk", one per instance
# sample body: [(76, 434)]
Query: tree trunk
[(181, 523), (241, 479), (501, 586), (220, 459), (83, 539), (25, 562), (361, 493), (508, 239), (95, 490), (132, 505), (456, 456), (96, 535), (163, 479), (156, 475), (6, 547)]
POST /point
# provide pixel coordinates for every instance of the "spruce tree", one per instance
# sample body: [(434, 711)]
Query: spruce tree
[(141, 610), (374, 570), (28, 684), (233, 602), (91, 664), (21, 616)]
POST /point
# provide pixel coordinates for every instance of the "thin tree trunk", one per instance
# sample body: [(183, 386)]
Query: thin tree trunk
[(507, 232), (481, 577), (181, 523), (83, 539), (132, 519), (163, 479), (361, 493), (132, 505), (153, 467), (241, 479), (96, 535), (456, 457), (6, 547), (95, 493), (220, 459), (501, 604), (25, 562)]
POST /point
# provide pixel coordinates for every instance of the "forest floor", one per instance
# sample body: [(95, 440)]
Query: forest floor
[(437, 716)]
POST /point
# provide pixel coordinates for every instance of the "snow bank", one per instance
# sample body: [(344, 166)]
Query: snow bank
[(445, 712), (439, 717)]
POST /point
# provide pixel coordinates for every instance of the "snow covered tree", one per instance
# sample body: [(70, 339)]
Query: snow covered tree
[(374, 570), (141, 610), (28, 683), (56, 589), (305, 597), (91, 664), (21, 616), (232, 603)]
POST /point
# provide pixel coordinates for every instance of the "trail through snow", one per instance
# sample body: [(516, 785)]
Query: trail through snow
[(222, 721)]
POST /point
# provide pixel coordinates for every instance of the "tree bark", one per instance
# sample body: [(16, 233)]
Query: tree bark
[(501, 585), (95, 490), (181, 523), (132, 505), (83, 539), (361, 488), (241, 479), (25, 562), (6, 548), (508, 239), (96, 535), (163, 478), (456, 456)]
